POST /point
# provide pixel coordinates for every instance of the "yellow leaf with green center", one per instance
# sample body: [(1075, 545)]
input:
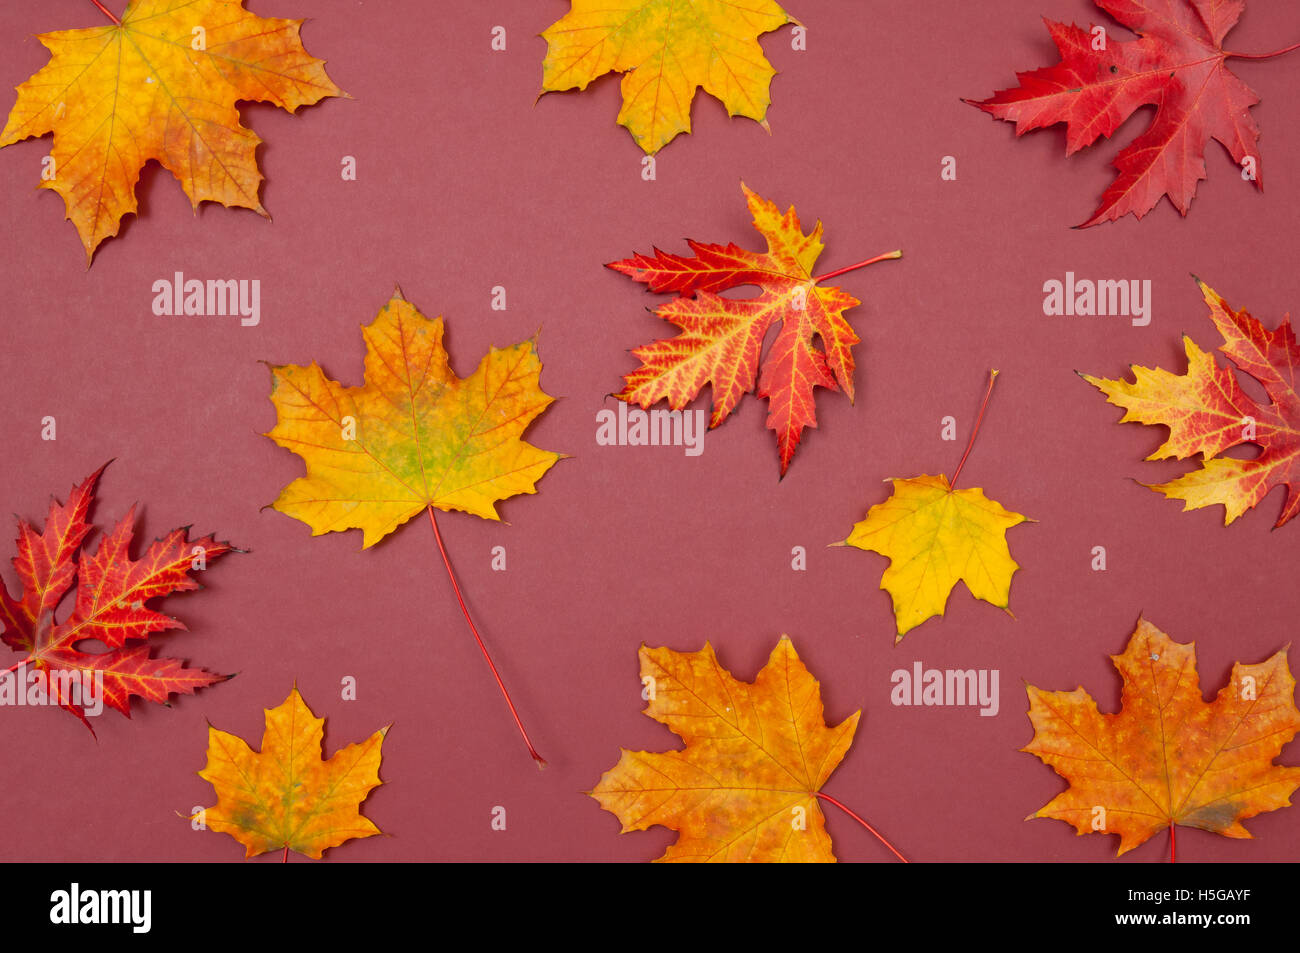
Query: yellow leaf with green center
[(287, 797), (934, 537), (161, 85), (414, 435), (666, 49)]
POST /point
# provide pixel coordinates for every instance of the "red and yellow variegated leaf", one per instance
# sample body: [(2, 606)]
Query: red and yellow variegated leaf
[(721, 339), (1207, 412), (45, 563), (114, 587)]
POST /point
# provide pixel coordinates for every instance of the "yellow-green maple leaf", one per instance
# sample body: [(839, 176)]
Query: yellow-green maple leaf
[(414, 435), (666, 49)]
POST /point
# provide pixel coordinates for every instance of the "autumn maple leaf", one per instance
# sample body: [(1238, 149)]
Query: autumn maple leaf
[(747, 786), (413, 438), (1167, 757), (1208, 412), (287, 795), (666, 49), (936, 536), (161, 83), (110, 607), (721, 343), (1178, 65)]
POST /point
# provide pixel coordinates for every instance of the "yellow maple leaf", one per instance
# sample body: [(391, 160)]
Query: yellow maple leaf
[(414, 435), (745, 788), (161, 84), (666, 49), (286, 796), (934, 537)]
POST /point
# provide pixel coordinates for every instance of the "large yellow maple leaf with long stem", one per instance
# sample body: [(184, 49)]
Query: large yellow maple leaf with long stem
[(666, 50), (161, 83), (413, 438)]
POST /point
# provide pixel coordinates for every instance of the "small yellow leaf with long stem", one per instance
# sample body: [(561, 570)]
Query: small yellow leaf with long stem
[(936, 536)]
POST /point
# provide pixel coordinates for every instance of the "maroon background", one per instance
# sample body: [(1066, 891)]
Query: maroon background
[(465, 183)]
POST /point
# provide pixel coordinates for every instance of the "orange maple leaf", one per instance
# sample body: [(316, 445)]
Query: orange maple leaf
[(747, 786), (721, 343), (1167, 757), (161, 83), (1207, 412), (287, 795)]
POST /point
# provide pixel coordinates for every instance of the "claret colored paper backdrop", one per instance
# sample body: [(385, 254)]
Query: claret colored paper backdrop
[(464, 183)]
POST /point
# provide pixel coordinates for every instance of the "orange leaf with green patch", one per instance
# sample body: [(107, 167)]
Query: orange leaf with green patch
[(110, 607), (721, 344), (287, 795), (1207, 412), (1168, 757)]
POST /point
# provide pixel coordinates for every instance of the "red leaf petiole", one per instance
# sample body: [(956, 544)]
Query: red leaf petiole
[(862, 264), (541, 762), (107, 12), (879, 836), (993, 376), (1265, 56)]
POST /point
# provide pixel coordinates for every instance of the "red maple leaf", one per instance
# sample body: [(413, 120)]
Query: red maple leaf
[(721, 344), (1178, 65), (112, 589)]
